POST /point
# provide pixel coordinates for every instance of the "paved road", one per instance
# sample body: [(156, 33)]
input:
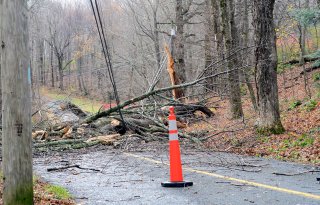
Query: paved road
[(219, 179)]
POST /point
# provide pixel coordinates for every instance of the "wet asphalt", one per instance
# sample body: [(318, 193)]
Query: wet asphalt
[(135, 178)]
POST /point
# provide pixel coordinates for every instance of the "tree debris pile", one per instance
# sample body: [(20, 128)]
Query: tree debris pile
[(63, 125)]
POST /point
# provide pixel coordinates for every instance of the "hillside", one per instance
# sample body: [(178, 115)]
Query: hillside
[(299, 114)]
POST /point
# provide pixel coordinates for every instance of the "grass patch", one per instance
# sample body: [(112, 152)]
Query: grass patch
[(303, 141), (263, 139), (85, 104), (315, 130), (58, 192), (282, 67), (311, 105), (295, 104), (316, 77)]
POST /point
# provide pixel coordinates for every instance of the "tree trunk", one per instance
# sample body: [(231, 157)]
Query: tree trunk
[(99, 81), (317, 35), (247, 61), (86, 92), (302, 37), (218, 40), (302, 43), (16, 125), (265, 68), (52, 68), (229, 33), (156, 39), (178, 53), (208, 48), (44, 63), (79, 64), (60, 72), (209, 86), (40, 61)]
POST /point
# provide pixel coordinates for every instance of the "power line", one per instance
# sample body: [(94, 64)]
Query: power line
[(97, 17)]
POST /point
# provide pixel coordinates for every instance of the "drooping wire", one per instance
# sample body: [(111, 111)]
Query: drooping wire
[(97, 17)]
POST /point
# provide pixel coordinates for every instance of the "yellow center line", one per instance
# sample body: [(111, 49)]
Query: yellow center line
[(278, 189)]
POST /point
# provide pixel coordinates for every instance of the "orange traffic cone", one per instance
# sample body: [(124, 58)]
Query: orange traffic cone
[(176, 177)]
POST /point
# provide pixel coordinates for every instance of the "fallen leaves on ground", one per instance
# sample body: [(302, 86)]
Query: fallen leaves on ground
[(300, 142)]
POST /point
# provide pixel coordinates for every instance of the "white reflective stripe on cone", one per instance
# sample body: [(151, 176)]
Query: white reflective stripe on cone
[(172, 125), (173, 136)]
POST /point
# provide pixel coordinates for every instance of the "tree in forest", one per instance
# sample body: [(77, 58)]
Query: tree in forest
[(245, 42), (183, 14), (304, 18), (16, 118), (229, 32), (265, 68), (179, 47), (60, 36), (218, 40), (302, 28), (149, 29)]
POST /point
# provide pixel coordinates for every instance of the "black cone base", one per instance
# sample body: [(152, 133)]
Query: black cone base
[(176, 184)]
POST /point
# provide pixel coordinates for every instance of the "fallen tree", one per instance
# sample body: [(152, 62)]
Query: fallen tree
[(147, 95), (147, 122), (306, 59)]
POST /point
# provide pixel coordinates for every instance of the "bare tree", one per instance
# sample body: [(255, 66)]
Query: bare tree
[(60, 35)]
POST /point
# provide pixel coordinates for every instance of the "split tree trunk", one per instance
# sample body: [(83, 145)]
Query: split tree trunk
[(265, 68), (172, 74), (16, 125)]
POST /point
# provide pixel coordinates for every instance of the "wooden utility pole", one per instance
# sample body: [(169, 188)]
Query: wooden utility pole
[(0, 64), (16, 108)]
